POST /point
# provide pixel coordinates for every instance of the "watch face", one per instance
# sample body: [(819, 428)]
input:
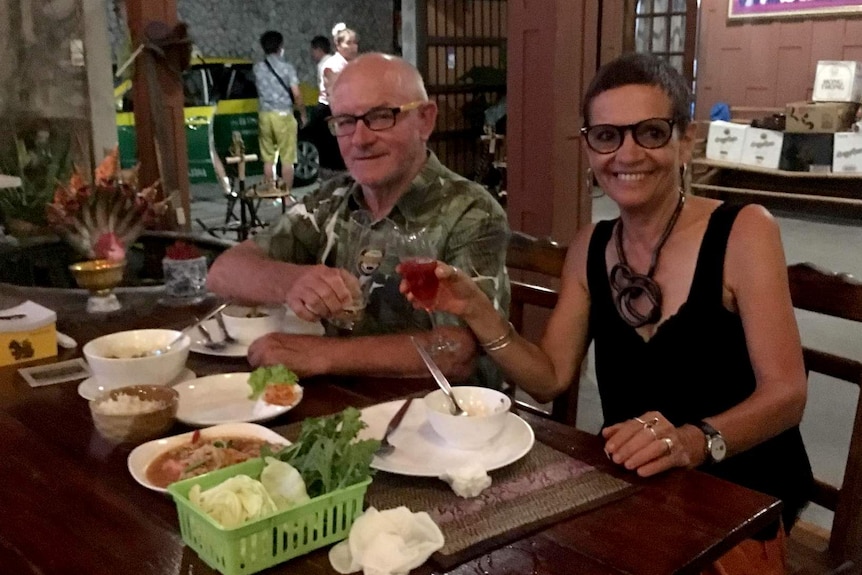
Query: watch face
[(717, 448)]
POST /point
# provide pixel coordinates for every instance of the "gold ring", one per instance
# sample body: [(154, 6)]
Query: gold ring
[(669, 444), (641, 421), (651, 423), (651, 430)]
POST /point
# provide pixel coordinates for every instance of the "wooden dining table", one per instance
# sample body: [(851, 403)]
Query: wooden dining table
[(68, 504)]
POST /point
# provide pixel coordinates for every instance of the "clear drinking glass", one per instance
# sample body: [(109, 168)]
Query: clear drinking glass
[(417, 252), (361, 253)]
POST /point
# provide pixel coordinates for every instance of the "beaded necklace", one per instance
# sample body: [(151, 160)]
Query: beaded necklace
[(630, 285)]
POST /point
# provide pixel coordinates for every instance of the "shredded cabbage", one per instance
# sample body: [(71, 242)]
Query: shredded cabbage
[(234, 501), (284, 484)]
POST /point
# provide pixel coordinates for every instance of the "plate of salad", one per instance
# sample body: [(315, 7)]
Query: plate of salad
[(263, 394)]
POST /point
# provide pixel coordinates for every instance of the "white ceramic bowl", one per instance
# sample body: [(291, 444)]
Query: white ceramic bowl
[(111, 357), (488, 409), (247, 329)]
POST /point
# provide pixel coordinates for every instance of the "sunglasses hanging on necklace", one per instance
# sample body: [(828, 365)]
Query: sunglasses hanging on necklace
[(629, 286)]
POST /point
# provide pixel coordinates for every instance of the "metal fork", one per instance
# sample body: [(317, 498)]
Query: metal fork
[(385, 447), (228, 338), (210, 343)]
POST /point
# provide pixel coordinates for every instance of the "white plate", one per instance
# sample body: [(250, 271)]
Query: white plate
[(420, 452), (224, 398), (90, 388), (290, 324), (144, 454), (230, 350)]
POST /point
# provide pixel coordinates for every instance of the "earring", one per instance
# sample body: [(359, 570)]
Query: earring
[(588, 180), (684, 179)]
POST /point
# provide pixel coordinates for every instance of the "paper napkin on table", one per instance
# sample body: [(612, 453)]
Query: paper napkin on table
[(468, 480), (388, 542)]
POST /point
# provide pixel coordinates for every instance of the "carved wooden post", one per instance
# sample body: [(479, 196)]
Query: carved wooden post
[(173, 149)]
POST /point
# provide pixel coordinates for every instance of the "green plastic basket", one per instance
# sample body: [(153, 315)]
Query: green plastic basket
[(268, 541)]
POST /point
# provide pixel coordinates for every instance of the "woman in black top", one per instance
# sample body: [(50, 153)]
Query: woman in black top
[(698, 357)]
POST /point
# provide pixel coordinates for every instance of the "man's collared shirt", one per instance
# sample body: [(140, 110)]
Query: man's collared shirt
[(474, 238), (272, 97)]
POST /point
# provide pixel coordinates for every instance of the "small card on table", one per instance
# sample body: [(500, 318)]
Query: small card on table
[(58, 372)]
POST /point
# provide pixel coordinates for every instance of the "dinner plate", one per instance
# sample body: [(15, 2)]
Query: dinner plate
[(90, 388), (224, 398), (420, 452), (144, 454), (229, 350), (290, 324)]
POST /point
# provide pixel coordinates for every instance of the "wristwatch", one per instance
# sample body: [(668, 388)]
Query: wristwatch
[(716, 447)]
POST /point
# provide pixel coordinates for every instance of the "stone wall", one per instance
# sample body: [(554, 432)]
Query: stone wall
[(232, 28)]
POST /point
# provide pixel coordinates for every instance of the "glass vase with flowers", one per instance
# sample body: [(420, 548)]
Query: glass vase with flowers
[(185, 273)]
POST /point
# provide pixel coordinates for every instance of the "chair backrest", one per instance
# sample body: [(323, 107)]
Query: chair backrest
[(837, 295), (541, 260)]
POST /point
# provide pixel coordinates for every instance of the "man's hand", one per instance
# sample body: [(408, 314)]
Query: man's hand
[(303, 354), (321, 292)]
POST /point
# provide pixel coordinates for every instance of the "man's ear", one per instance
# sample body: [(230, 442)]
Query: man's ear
[(428, 119)]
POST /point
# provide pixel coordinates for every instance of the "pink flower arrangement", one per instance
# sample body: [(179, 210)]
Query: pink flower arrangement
[(181, 250), (101, 219)]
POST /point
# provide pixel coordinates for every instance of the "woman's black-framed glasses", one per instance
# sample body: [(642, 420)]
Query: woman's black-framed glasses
[(375, 119), (608, 138)]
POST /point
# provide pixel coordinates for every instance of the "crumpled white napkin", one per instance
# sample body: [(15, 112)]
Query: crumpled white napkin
[(388, 542), (468, 480)]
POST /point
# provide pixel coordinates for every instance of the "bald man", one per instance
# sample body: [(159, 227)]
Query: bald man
[(382, 119)]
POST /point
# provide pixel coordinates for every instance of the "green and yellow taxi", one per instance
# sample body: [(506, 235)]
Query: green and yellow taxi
[(220, 98)]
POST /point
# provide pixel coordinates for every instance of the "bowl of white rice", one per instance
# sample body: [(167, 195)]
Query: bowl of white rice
[(136, 413)]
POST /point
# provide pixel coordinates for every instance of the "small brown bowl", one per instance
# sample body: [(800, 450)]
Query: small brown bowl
[(136, 427)]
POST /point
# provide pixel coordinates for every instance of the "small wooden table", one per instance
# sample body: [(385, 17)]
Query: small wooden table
[(69, 505)]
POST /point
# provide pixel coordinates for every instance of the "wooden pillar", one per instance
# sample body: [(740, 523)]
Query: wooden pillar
[(175, 168), (552, 54)]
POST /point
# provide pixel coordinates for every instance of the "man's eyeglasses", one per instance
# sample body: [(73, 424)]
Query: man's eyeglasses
[(375, 119), (608, 138)]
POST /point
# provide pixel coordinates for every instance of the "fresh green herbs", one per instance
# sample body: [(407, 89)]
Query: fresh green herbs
[(327, 454), (264, 376)]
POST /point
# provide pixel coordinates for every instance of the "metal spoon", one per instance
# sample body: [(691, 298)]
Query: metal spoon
[(210, 343), (439, 378), (179, 338), (228, 338)]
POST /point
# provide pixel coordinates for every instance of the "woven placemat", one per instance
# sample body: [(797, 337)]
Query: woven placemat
[(542, 488)]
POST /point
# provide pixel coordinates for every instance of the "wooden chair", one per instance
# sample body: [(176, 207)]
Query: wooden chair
[(539, 259), (813, 550)]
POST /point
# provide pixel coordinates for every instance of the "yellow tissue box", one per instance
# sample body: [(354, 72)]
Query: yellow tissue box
[(27, 332)]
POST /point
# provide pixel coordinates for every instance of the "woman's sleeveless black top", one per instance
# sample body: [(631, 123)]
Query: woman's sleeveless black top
[(695, 365)]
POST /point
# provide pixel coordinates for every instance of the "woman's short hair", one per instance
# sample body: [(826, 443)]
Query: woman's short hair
[(271, 41), (643, 70)]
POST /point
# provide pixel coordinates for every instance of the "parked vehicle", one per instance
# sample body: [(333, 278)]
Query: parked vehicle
[(220, 98)]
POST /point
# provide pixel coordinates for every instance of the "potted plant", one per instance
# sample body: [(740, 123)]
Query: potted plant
[(34, 166)]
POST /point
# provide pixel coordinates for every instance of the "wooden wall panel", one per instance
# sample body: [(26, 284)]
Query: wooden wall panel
[(766, 63)]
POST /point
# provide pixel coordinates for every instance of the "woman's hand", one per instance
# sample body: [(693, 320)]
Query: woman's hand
[(648, 444)]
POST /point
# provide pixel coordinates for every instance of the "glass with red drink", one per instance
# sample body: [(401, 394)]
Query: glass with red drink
[(419, 275), (418, 255)]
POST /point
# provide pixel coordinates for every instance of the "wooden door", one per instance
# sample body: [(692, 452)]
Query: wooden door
[(462, 56)]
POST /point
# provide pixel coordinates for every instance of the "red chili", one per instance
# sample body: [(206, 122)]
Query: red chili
[(196, 436)]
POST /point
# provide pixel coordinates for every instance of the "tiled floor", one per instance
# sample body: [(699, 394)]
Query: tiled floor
[(829, 414)]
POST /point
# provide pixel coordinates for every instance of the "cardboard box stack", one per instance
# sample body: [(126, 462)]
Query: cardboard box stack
[(819, 136)]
